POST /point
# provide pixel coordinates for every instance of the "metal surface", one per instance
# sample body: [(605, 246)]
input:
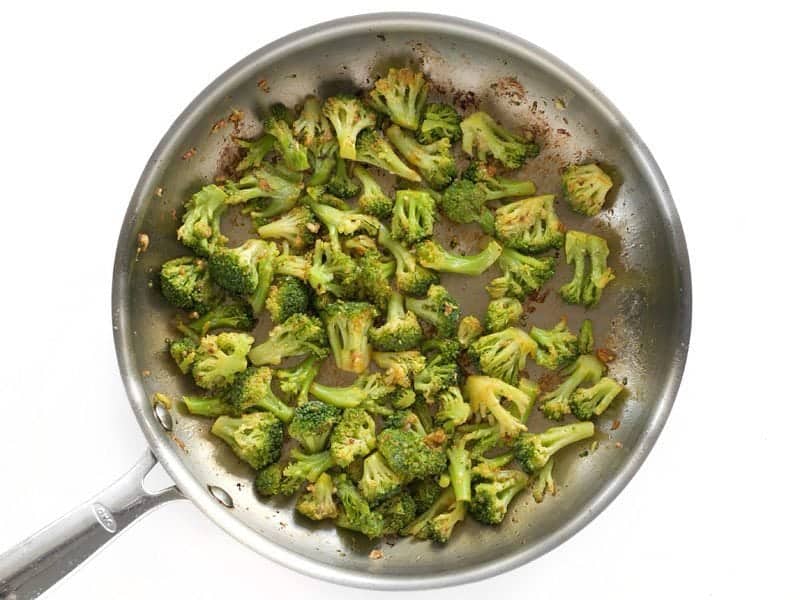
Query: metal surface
[(644, 315)]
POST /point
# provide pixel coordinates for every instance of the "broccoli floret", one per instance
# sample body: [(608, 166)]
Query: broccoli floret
[(332, 271), (256, 151), (439, 121), (399, 367), (186, 283), (433, 256), (434, 161), (312, 424), (184, 352), (341, 184), (401, 398), (503, 354), (253, 389), (585, 188), (491, 498), (200, 230), (269, 481), (587, 284), (372, 200), (439, 519), (311, 127), (557, 346), (465, 202), (349, 117), (374, 149), (236, 269), (256, 438), (467, 446), (593, 401), (586, 369), (275, 186), (446, 349), (356, 514), (366, 392), (486, 395), (453, 410), (299, 335), (401, 95), (353, 436), (522, 274), (298, 228), (469, 330), (529, 225), (296, 381), (425, 492), (378, 481), (494, 186), (234, 314), (374, 275), (294, 154), (292, 265), (318, 503), (502, 313), (218, 358), (287, 296), (207, 406), (348, 325), (543, 482), (304, 467), (586, 338), (401, 330), (439, 373), (411, 453), (413, 216), (483, 136), (412, 279), (397, 512), (439, 309), (534, 450), (344, 222)]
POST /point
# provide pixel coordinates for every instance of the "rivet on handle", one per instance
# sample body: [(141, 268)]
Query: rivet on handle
[(162, 416), (221, 496)]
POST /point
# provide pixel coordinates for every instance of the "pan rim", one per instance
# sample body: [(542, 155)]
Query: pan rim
[(167, 453)]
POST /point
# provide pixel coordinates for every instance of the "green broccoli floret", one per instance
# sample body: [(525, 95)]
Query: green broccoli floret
[(469, 330), (413, 216), (557, 346), (503, 354), (378, 481), (453, 410), (274, 186), (446, 349), (493, 185), (269, 481), (312, 424), (374, 149), (465, 202), (593, 401), (397, 512), (439, 121), (294, 154), (401, 95), (412, 279), (586, 338), (439, 309), (341, 184), (353, 436), (439, 373), (522, 274), (460, 458), (310, 126), (318, 503), (425, 492), (332, 271), (585, 188), (356, 514), (186, 283), (486, 396), (349, 117), (586, 369), (252, 389), (184, 352), (400, 398), (529, 225), (491, 498), (292, 265), (256, 151), (299, 335), (298, 228), (218, 358), (400, 331), (587, 284), (399, 367), (207, 406), (304, 467), (534, 450), (359, 245), (374, 276), (287, 296), (256, 438), (412, 453), (348, 325), (344, 222), (200, 229), (372, 201), (434, 161), (236, 269), (483, 136), (296, 381), (502, 313), (433, 256), (367, 392), (543, 482), (234, 314), (439, 519)]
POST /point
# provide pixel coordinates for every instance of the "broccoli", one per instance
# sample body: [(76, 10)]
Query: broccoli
[(453, 411), (349, 117), (235, 314), (344, 222), (269, 481), (401, 398), (256, 151), (348, 325), (433, 256), (299, 335), (585, 188), (413, 216), (530, 225), (401, 330), (356, 514), (294, 154), (353, 436), (378, 481), (311, 127), (400, 367), (446, 349), (184, 352), (256, 438), (503, 354), (298, 228), (486, 395), (586, 287), (332, 271), (493, 185), (318, 503), (483, 136), (439, 373), (374, 276), (460, 459), (411, 453), (373, 149), (401, 95), (502, 313), (543, 482), (534, 450), (439, 121), (341, 184), (296, 381), (304, 467), (365, 392), (397, 512), (439, 309), (556, 346), (236, 269), (200, 228), (252, 389), (276, 186), (586, 369), (491, 498), (425, 492), (434, 161), (312, 424), (287, 296), (207, 406), (522, 274), (469, 330), (439, 519), (586, 338), (218, 358), (372, 200), (292, 265), (186, 283), (465, 202), (593, 401), (359, 245)]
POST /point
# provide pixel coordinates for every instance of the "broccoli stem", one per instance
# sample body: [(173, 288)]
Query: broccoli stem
[(341, 397), (460, 472), (203, 406), (556, 438)]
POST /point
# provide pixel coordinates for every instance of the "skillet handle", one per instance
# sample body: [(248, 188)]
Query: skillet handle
[(30, 568)]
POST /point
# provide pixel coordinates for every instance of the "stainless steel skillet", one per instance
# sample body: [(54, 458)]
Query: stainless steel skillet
[(645, 314)]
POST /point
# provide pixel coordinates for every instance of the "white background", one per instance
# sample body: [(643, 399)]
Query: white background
[(88, 90)]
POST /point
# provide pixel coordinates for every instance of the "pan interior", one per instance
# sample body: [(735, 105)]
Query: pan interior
[(643, 315)]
